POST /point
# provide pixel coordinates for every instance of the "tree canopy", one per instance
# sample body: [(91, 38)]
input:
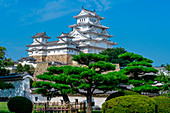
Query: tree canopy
[(113, 54), (136, 69), (86, 79), (3, 71), (26, 68)]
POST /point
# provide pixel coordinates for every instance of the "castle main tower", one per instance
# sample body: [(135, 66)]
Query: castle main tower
[(87, 36)]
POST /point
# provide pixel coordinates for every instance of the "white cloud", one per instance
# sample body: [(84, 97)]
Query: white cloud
[(7, 3), (51, 10), (100, 5)]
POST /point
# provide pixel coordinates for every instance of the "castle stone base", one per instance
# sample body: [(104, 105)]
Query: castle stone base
[(65, 58)]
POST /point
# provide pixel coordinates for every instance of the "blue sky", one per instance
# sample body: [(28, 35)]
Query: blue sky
[(139, 26)]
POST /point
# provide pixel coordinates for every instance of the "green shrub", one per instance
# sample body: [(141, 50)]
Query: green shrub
[(163, 104), (121, 93), (20, 104), (129, 104)]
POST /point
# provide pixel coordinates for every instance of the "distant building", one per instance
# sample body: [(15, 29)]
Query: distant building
[(87, 35), (21, 83), (28, 61)]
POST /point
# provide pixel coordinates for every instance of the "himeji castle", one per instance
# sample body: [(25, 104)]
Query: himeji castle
[(87, 36)]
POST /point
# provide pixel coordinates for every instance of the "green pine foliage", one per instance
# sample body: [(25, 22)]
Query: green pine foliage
[(113, 54), (136, 68), (163, 104), (4, 85), (83, 80), (146, 88), (129, 104)]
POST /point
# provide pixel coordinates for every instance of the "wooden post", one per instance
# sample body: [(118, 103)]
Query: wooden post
[(76, 103), (70, 107), (61, 106), (65, 108), (84, 107), (45, 108)]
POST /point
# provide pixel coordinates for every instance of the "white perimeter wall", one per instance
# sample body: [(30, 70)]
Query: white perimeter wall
[(21, 87), (98, 100)]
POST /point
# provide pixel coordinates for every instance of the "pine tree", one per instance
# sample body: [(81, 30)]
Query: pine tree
[(113, 54), (86, 79), (137, 67)]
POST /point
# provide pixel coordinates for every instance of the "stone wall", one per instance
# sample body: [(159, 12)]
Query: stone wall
[(40, 69), (40, 58), (65, 58)]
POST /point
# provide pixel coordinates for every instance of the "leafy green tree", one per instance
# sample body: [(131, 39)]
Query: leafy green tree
[(3, 71), (9, 62), (87, 79), (32, 70), (113, 54), (19, 68), (26, 68), (138, 66), (165, 80), (167, 67)]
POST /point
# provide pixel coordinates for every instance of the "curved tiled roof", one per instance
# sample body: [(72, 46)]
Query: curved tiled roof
[(63, 35), (87, 24), (27, 59), (88, 13), (39, 35)]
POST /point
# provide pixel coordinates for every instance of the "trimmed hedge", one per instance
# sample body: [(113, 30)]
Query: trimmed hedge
[(121, 93), (20, 104), (129, 104), (163, 104)]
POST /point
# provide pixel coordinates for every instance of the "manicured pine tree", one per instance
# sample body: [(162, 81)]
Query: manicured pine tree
[(86, 79), (136, 68)]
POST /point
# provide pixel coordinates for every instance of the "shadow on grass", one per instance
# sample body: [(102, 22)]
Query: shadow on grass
[(4, 112)]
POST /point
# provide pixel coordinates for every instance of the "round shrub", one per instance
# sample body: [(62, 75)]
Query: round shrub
[(121, 93), (163, 104), (129, 104), (20, 104)]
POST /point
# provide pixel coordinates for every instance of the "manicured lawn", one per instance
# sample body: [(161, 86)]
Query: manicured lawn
[(4, 107)]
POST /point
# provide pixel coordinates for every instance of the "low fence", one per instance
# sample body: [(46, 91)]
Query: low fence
[(60, 107)]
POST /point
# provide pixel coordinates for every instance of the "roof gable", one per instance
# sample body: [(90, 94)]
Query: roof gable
[(77, 34)]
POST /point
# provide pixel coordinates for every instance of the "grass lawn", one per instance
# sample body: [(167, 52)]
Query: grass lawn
[(4, 107)]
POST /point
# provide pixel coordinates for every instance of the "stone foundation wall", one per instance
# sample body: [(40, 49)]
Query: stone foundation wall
[(66, 58), (40, 58), (40, 69)]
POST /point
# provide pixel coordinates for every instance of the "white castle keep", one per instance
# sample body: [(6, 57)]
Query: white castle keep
[(87, 36)]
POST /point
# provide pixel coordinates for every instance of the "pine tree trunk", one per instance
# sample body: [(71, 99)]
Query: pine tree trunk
[(89, 103), (65, 98)]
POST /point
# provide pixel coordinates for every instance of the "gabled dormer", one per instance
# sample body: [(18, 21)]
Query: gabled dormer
[(65, 37), (40, 38)]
